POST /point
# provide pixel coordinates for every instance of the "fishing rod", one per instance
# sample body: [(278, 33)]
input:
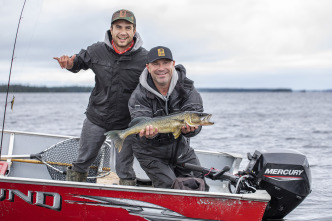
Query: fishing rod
[(10, 73), (13, 158)]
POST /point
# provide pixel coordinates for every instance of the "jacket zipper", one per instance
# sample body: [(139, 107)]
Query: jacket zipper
[(166, 104)]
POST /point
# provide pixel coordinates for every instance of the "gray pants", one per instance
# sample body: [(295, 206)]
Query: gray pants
[(162, 174), (92, 138)]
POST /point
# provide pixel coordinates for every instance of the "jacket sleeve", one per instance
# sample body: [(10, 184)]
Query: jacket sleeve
[(193, 103), (81, 61)]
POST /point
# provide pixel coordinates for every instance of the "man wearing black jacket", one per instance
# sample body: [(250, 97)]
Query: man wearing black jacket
[(164, 89), (117, 64)]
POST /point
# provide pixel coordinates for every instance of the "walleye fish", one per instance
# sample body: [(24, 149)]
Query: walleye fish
[(165, 124)]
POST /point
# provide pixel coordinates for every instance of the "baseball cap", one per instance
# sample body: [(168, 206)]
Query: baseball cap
[(159, 52), (124, 15)]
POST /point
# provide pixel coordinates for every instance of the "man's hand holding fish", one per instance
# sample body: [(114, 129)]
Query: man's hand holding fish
[(151, 132)]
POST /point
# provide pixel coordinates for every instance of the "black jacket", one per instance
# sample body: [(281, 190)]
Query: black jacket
[(116, 77)]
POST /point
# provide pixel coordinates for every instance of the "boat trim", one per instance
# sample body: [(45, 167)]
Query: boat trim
[(260, 195)]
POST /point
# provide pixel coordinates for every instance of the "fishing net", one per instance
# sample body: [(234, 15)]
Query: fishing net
[(61, 155)]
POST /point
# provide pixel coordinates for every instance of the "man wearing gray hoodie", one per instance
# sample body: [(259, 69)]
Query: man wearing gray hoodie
[(117, 64), (164, 89)]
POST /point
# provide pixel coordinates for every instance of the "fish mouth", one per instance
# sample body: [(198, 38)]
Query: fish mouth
[(199, 119), (205, 119)]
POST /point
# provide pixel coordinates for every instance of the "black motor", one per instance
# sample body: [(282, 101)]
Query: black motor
[(285, 175)]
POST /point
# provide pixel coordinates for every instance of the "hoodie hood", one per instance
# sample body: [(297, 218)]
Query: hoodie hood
[(137, 39), (144, 82)]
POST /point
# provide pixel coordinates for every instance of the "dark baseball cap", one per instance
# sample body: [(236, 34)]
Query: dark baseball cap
[(159, 52), (124, 15)]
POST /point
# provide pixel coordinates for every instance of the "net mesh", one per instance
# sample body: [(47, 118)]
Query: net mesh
[(61, 155)]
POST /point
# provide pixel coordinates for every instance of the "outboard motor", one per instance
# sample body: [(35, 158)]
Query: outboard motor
[(285, 175)]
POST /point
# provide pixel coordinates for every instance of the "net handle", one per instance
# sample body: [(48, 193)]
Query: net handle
[(28, 158), (51, 163)]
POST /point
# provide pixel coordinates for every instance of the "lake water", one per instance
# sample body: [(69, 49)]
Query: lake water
[(244, 122)]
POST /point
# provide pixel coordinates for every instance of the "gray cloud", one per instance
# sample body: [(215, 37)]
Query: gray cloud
[(245, 42)]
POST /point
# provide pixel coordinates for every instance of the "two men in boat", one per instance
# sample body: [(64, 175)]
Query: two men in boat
[(164, 89), (117, 64)]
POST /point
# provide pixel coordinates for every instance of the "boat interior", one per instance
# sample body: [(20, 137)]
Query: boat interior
[(45, 156)]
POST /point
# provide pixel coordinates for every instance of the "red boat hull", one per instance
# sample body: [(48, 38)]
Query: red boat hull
[(55, 200)]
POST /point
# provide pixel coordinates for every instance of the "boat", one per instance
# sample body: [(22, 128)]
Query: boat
[(32, 184)]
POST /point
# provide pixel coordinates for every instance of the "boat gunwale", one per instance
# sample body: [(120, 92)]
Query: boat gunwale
[(259, 195), (235, 155), (38, 134)]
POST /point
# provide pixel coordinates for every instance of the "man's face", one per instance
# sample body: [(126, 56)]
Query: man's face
[(161, 71), (122, 34)]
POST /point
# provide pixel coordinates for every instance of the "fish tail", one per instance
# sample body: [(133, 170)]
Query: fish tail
[(115, 136)]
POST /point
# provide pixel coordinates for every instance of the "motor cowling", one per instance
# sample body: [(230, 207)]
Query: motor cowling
[(285, 175)]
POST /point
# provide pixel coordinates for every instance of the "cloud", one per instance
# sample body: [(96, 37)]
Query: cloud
[(260, 63), (215, 38)]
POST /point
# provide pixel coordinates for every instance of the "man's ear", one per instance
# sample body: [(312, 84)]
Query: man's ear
[(147, 66)]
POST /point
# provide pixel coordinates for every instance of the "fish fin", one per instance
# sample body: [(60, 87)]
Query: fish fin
[(138, 120), (177, 133), (115, 136)]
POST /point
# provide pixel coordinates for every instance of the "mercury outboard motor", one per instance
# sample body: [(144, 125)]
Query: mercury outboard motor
[(285, 175)]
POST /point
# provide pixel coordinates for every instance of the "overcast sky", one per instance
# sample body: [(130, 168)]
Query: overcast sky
[(222, 43)]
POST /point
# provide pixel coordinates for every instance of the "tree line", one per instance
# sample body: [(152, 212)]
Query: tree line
[(26, 88), (67, 89)]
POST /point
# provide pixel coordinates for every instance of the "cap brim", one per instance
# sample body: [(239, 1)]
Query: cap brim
[(159, 59), (117, 19)]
